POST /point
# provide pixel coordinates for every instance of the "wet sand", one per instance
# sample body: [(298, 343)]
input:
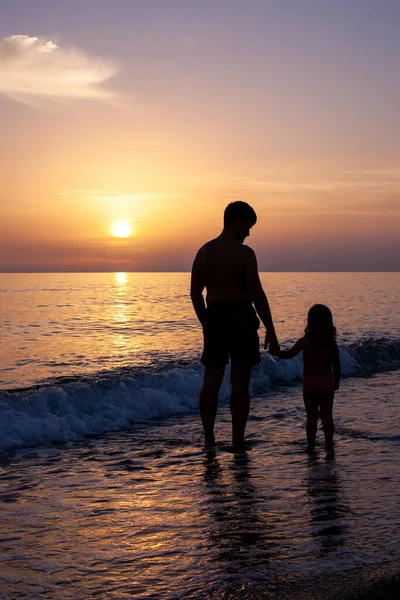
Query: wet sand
[(147, 513), (379, 582)]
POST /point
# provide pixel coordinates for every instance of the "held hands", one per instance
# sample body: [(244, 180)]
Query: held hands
[(271, 343), (274, 349)]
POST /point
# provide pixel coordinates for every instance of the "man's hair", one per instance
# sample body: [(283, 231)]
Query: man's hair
[(239, 211)]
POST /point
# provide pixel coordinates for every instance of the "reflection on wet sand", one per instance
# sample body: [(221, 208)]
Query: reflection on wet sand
[(241, 531), (327, 508)]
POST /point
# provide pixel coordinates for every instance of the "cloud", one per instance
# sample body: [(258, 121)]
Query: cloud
[(34, 68), (350, 182)]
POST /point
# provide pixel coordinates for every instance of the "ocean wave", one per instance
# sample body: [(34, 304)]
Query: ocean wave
[(68, 410)]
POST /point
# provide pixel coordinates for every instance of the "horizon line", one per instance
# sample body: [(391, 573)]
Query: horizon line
[(180, 271)]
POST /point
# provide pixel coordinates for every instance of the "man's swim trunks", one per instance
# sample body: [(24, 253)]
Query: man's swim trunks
[(230, 332)]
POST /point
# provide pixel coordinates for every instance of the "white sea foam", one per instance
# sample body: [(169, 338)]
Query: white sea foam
[(73, 409)]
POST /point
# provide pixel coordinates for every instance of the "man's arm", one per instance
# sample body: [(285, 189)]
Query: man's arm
[(197, 286), (336, 367), (259, 297), (291, 353)]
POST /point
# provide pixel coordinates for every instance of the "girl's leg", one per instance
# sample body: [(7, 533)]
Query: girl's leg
[(311, 405), (326, 409)]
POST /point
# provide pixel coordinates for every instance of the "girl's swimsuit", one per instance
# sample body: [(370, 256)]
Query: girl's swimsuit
[(319, 386)]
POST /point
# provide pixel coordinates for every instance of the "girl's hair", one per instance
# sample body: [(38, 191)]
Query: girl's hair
[(320, 328)]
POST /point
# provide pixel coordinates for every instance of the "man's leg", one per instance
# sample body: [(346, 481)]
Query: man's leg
[(240, 400), (208, 402)]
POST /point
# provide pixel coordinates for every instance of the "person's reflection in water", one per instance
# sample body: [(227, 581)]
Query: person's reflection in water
[(327, 508), (240, 534), (212, 469)]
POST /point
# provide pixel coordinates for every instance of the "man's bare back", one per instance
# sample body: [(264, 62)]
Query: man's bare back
[(222, 265), (228, 270)]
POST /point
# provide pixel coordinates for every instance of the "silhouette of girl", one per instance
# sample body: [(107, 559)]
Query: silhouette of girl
[(321, 374)]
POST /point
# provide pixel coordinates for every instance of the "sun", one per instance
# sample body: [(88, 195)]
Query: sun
[(121, 229)]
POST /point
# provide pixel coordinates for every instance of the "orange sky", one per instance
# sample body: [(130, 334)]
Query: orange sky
[(283, 109)]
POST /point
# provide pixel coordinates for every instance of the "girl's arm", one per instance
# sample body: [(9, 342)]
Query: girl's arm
[(336, 367), (291, 353)]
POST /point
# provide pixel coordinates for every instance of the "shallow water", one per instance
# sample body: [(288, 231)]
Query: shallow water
[(148, 513)]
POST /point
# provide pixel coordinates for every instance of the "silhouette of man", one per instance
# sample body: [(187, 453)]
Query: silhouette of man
[(228, 270)]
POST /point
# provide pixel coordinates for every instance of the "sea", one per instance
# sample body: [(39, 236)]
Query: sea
[(106, 489)]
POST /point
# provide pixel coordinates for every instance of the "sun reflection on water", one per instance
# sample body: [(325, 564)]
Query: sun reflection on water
[(121, 279)]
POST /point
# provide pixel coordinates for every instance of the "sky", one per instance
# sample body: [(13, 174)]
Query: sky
[(158, 113)]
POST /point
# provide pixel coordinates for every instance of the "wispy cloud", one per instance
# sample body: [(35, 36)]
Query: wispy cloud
[(378, 180), (33, 68), (110, 197)]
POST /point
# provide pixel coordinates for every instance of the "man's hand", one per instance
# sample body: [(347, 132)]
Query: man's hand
[(270, 339), (274, 349)]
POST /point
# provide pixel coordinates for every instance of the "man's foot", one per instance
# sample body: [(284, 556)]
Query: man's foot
[(209, 440), (330, 454), (311, 450), (239, 444)]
